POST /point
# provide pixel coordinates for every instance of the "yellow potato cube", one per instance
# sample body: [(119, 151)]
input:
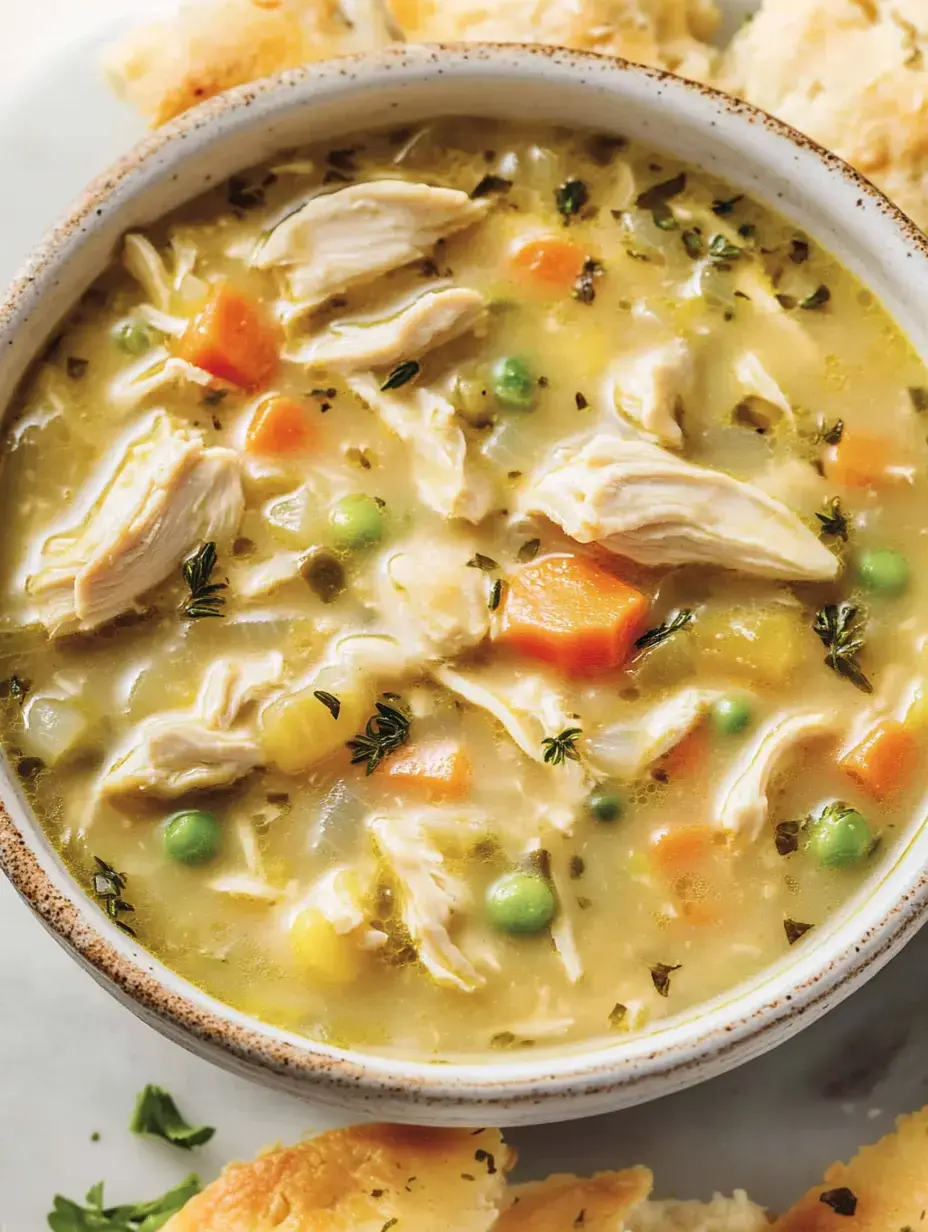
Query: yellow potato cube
[(322, 952), (298, 730), (763, 646)]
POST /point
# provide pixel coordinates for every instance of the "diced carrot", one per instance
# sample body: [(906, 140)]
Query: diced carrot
[(884, 761), (861, 460), (280, 426), (681, 848), (550, 262), (570, 612), (689, 756), (436, 771), (231, 338)]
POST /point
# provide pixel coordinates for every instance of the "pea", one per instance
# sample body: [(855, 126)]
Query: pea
[(133, 337), (883, 571), (513, 384), (839, 837), (605, 805), (192, 837), (520, 903), (731, 715), (356, 521)]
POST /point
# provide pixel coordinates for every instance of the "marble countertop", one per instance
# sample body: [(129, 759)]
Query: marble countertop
[(72, 1060)]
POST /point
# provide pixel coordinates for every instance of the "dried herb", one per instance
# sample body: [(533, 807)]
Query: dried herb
[(660, 977), (205, 599), (15, 688), (485, 1157), (244, 196), (722, 208), (528, 551), (818, 299), (657, 196), (747, 230), (794, 930), (692, 242), (840, 631), (786, 302), (108, 887), (581, 401), (786, 837), (213, 397), (918, 396), (496, 595), (324, 575), (391, 1223), (722, 251), (584, 290), (156, 1114), (76, 367), (577, 867), (479, 561), (618, 1014), (798, 251), (491, 184), (385, 732), (832, 435), (842, 1201), (343, 160), (561, 748), (401, 375), (330, 701), (654, 637), (570, 198), (68, 1216), (833, 520), (603, 147)]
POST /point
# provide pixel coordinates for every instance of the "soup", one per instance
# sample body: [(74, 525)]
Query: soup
[(460, 592)]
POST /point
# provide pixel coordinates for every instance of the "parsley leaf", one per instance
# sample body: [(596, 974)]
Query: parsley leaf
[(156, 1113), (68, 1216)]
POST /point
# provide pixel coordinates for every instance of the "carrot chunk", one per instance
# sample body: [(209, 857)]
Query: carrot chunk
[(884, 761), (437, 771), (681, 848), (550, 263), (861, 460), (231, 338), (279, 426), (689, 756), (570, 612)]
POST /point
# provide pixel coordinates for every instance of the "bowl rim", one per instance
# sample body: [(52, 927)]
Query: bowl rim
[(700, 1043)]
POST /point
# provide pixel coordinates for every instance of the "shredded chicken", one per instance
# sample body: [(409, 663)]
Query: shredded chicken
[(437, 603), (625, 749), (164, 493), (428, 424), (646, 504), (338, 896), (741, 803), (158, 370), (354, 235), (430, 321), (650, 389)]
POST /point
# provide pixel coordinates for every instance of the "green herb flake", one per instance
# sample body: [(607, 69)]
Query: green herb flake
[(528, 551), (660, 977), (205, 598), (654, 637), (833, 521), (798, 251), (786, 837), (570, 198), (330, 701), (747, 230), (15, 688), (108, 887), (843, 1201), (68, 1216), (386, 731), (561, 748), (486, 1157), (402, 374), (722, 208), (491, 184), (918, 396), (584, 289), (479, 561), (786, 302), (618, 1014), (496, 595), (157, 1115), (722, 251), (659, 194), (794, 930), (818, 299), (832, 435), (840, 630), (692, 242)]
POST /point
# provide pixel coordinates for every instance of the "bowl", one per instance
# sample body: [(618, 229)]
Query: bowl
[(817, 192)]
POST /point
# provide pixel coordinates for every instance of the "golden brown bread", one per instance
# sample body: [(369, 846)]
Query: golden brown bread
[(362, 1179), (596, 1204)]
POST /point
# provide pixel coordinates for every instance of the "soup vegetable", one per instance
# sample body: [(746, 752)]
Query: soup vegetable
[(461, 590)]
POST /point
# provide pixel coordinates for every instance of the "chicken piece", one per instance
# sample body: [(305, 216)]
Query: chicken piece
[(644, 503), (605, 1200), (434, 603), (159, 370), (428, 424), (626, 749), (431, 895), (741, 803), (192, 750), (649, 390), (164, 493), (433, 319), (354, 235)]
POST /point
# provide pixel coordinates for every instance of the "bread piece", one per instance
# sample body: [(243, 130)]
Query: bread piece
[(596, 1204), (884, 1188), (852, 75), (363, 1179)]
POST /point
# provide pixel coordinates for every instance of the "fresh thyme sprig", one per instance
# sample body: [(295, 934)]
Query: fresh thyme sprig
[(840, 629), (833, 520), (386, 731), (205, 599), (562, 747), (660, 633), (108, 886)]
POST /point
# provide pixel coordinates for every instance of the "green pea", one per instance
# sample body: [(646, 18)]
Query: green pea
[(134, 338), (839, 837), (605, 805), (192, 837), (513, 384), (356, 521), (520, 903), (883, 571), (731, 715)]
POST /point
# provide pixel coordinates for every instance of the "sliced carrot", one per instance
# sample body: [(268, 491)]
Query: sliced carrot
[(681, 848), (689, 756), (570, 612), (550, 262), (884, 761), (231, 338), (280, 426), (861, 460), (439, 770)]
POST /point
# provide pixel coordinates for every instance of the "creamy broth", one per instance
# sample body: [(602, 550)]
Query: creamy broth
[(614, 773)]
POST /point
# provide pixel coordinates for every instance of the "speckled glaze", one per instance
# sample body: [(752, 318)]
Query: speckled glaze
[(758, 154)]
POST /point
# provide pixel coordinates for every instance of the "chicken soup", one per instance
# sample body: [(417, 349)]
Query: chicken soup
[(461, 590)]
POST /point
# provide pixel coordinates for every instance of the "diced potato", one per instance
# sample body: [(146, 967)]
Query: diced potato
[(761, 645), (322, 952), (54, 728), (298, 730), (293, 519), (668, 664)]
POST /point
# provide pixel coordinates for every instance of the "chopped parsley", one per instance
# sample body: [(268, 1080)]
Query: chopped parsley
[(244, 196), (618, 1014), (798, 251), (561, 748), (156, 1114), (570, 198), (68, 1216), (692, 242)]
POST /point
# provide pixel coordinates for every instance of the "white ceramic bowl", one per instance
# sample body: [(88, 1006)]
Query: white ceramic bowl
[(764, 158)]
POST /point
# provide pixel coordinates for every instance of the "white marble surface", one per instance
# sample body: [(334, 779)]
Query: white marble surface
[(71, 1059)]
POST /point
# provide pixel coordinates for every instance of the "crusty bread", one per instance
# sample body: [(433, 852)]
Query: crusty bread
[(596, 1204), (363, 1179)]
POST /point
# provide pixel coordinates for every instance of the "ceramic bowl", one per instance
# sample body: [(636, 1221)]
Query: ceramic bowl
[(820, 195)]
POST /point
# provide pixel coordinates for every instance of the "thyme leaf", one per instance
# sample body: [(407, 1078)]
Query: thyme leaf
[(570, 198), (491, 184), (660, 977), (692, 242), (205, 599), (330, 701), (528, 551), (721, 208), (794, 930), (653, 637), (832, 435), (561, 748), (818, 299), (840, 630), (833, 521), (108, 887), (401, 375), (584, 289), (479, 561), (722, 251), (385, 732), (918, 395), (496, 595)]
